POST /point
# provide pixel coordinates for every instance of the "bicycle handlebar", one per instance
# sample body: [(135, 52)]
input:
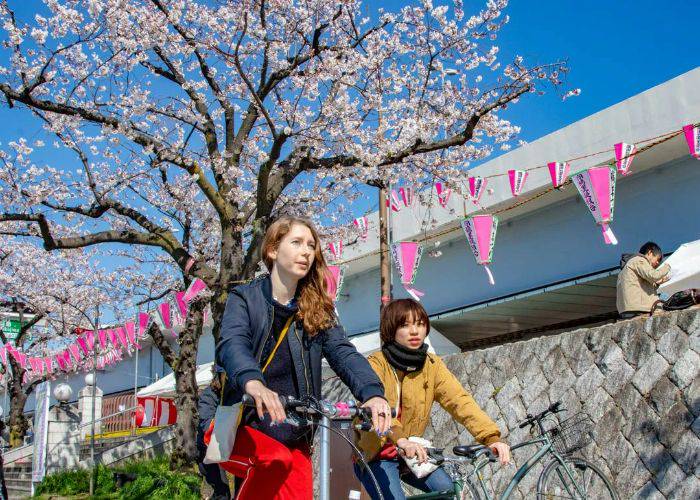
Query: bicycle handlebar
[(339, 410), (530, 420)]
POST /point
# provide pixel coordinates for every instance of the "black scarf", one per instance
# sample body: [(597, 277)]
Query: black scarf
[(403, 358)]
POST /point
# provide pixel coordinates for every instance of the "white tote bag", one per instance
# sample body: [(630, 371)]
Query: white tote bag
[(228, 418)]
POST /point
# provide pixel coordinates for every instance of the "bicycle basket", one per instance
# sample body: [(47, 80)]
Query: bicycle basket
[(571, 434)]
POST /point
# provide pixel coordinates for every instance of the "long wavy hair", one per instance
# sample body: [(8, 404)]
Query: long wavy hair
[(316, 309)]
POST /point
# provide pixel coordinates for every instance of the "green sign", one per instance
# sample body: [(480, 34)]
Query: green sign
[(11, 327)]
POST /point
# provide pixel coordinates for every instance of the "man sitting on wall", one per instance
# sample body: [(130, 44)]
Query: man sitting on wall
[(639, 277)]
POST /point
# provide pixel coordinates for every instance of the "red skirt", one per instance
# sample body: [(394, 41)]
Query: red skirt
[(269, 469)]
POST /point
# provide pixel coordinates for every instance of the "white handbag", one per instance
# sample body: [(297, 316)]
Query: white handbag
[(228, 418), (420, 470)]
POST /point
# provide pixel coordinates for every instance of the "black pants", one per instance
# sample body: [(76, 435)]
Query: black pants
[(632, 314), (213, 474)]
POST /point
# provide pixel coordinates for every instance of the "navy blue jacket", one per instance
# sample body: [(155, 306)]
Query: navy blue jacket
[(247, 325)]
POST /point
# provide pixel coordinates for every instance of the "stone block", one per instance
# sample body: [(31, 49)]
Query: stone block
[(686, 369), (674, 424), (588, 382), (689, 321), (598, 339), (642, 424), (672, 344), (618, 377), (533, 387), (597, 404), (482, 392), (690, 488), (632, 476), (638, 348), (686, 452), (650, 373), (668, 478), (608, 425), (577, 355), (663, 396), (658, 325), (618, 452), (648, 492), (508, 393), (627, 399), (691, 396), (561, 383)]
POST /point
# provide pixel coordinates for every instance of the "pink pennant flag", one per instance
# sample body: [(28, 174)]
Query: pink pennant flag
[(406, 196), (48, 363), (20, 357), (82, 343), (443, 193), (181, 304), (3, 355), (692, 137), (362, 226), (121, 334), (477, 186), (144, 319), (407, 255), (597, 188), (336, 250), (75, 351), (393, 201), (624, 154), (102, 337), (130, 328), (334, 281), (558, 172), (36, 366), (90, 339), (195, 288), (517, 180), (112, 335), (480, 231), (101, 363), (163, 311), (61, 361)]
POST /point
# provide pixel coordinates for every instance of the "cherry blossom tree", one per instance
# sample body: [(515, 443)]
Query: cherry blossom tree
[(58, 292), (183, 128)]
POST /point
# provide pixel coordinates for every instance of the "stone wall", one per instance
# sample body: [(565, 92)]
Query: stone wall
[(636, 379)]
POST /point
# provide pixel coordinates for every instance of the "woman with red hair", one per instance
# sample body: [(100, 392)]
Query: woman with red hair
[(283, 323)]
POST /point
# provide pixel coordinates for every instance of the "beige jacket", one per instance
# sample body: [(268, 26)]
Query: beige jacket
[(419, 389), (636, 285)]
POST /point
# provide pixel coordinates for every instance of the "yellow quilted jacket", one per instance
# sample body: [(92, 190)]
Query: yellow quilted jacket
[(419, 389)]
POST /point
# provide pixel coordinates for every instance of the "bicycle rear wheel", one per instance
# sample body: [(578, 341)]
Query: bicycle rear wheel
[(555, 483)]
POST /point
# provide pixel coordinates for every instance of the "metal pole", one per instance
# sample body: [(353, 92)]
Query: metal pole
[(136, 378), (384, 259), (324, 481), (93, 476)]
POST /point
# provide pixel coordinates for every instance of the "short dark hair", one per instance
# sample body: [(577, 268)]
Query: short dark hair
[(652, 247), (398, 312)]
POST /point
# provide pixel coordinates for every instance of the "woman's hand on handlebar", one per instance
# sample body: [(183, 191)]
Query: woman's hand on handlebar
[(381, 414), (411, 449), (502, 450), (265, 399)]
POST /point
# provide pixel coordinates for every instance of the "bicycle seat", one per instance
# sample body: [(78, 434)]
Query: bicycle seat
[(468, 451)]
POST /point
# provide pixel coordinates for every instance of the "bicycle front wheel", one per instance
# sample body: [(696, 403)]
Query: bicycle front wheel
[(589, 482), (469, 491)]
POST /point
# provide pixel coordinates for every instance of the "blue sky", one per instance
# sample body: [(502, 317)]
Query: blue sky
[(615, 49)]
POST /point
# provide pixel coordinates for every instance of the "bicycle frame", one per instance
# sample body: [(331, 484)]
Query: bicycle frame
[(524, 469)]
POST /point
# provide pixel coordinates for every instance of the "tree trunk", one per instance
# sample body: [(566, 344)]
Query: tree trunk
[(185, 453), (18, 423)]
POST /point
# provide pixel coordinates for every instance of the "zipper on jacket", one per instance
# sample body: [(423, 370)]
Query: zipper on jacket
[(267, 337), (301, 344)]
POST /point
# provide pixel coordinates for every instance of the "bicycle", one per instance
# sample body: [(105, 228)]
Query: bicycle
[(313, 412), (564, 476)]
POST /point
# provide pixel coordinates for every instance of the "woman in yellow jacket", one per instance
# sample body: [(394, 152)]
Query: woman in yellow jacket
[(413, 379)]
